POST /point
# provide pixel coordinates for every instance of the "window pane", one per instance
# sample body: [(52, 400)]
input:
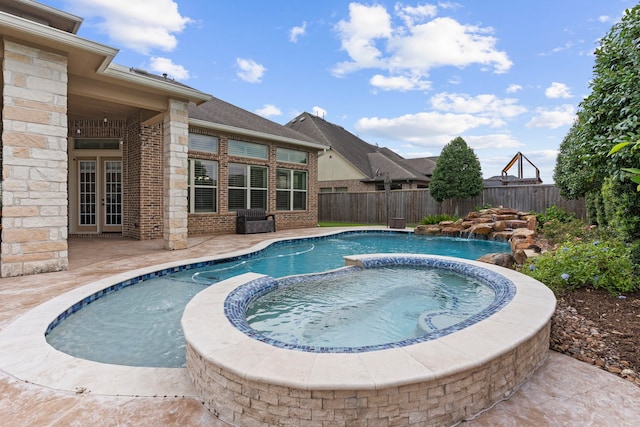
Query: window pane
[(291, 156), (205, 200), (259, 199), (283, 179), (237, 199), (237, 175), (96, 143), (203, 143), (247, 149), (299, 180), (205, 173), (299, 200), (258, 177), (282, 200)]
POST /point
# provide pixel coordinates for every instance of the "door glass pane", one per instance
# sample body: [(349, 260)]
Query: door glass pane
[(113, 192), (87, 192)]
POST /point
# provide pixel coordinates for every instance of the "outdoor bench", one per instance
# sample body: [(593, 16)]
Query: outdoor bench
[(251, 221)]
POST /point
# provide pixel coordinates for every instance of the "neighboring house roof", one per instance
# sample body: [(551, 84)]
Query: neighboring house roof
[(373, 161), (221, 115)]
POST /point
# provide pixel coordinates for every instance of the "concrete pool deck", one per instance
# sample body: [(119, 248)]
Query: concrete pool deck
[(563, 391)]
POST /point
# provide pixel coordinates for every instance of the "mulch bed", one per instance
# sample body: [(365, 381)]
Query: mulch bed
[(601, 329)]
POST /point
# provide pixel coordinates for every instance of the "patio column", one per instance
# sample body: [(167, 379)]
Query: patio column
[(34, 161), (176, 145)]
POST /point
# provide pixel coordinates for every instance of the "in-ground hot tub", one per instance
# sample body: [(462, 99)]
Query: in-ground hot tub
[(436, 379)]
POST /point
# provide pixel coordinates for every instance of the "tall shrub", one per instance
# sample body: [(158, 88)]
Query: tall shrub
[(457, 175)]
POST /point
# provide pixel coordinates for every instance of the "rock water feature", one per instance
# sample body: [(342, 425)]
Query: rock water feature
[(518, 228)]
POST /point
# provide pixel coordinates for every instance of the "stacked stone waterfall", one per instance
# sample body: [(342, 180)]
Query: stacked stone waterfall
[(517, 228)]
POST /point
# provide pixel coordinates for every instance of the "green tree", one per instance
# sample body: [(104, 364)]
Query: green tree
[(607, 118), (457, 174)]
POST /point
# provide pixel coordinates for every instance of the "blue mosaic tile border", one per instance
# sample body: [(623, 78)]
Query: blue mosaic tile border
[(238, 300), (117, 286)]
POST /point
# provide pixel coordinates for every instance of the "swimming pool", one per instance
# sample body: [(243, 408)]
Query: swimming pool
[(140, 325)]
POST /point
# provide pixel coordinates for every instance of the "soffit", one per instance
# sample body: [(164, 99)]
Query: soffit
[(96, 84)]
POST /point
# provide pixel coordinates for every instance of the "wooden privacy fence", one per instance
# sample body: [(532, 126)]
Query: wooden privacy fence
[(413, 205)]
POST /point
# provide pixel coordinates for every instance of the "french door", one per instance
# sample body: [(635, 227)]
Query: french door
[(99, 195)]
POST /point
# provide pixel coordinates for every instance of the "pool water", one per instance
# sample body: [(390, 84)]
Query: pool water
[(360, 308), (140, 325)]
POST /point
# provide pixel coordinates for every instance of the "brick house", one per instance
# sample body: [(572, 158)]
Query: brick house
[(92, 148)]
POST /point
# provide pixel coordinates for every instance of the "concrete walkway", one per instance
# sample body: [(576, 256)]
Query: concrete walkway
[(562, 392)]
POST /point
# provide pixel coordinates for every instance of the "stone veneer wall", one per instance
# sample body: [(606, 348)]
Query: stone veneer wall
[(176, 146), (35, 163), (440, 402)]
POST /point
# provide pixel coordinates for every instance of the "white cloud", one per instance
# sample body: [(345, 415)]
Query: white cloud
[(498, 141), (558, 90), (296, 32), (411, 14), (249, 70), (483, 105), (413, 45), (428, 128), (358, 36), (319, 111), (400, 83), (268, 110), (165, 65), (513, 88), (553, 119), (141, 25)]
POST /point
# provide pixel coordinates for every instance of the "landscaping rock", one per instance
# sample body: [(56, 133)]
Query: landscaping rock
[(503, 224), (500, 259)]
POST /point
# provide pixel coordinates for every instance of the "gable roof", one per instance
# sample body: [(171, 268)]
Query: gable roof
[(373, 161), (220, 115)]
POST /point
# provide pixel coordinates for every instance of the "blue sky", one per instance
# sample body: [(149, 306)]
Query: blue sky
[(507, 76)]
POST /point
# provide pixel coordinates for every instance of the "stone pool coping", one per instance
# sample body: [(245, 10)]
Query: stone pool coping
[(521, 319)]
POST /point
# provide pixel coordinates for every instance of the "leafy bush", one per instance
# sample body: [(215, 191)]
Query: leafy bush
[(555, 231), (436, 219), (555, 213), (557, 225), (585, 263)]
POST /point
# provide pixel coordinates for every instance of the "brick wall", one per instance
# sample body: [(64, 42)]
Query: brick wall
[(224, 221)]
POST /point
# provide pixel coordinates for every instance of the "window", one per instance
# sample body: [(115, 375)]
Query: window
[(291, 190), (247, 187), (205, 143), (203, 186), (291, 156), (248, 149), (96, 143)]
